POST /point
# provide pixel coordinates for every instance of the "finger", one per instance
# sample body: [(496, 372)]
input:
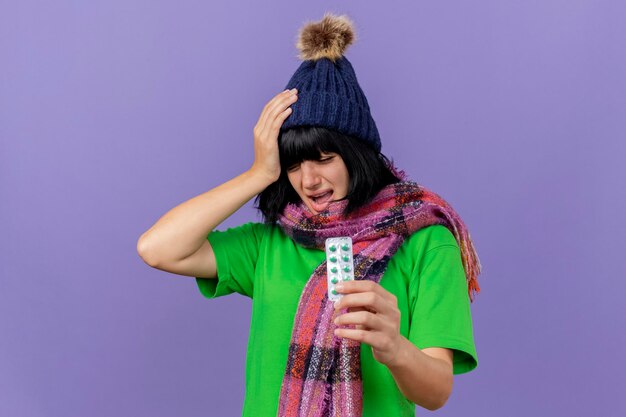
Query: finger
[(264, 112), (360, 335), (280, 109), (338, 313), (275, 118), (275, 107), (365, 319), (369, 300), (364, 285), (284, 93), (274, 123), (353, 309), (356, 286), (370, 321), (278, 121)]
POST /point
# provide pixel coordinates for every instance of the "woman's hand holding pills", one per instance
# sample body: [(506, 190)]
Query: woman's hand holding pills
[(375, 314), (266, 155)]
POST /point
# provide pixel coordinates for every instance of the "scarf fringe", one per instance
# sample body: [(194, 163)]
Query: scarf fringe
[(471, 262)]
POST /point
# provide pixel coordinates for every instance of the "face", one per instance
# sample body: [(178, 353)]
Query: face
[(319, 182)]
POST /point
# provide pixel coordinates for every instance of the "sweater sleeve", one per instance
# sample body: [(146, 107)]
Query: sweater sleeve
[(441, 315), (236, 252)]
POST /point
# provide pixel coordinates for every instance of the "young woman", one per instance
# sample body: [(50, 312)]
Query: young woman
[(403, 326)]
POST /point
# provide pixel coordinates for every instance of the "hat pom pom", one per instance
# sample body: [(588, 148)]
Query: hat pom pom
[(328, 38)]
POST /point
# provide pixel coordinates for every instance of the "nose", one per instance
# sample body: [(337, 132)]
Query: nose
[(310, 177)]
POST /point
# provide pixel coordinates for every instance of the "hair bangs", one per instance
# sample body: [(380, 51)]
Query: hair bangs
[(305, 143)]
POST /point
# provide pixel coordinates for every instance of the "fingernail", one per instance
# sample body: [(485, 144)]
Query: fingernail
[(293, 90), (339, 287)]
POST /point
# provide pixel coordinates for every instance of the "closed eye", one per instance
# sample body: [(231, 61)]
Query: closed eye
[(321, 160)]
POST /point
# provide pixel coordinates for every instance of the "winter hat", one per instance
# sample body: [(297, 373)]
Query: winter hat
[(329, 94)]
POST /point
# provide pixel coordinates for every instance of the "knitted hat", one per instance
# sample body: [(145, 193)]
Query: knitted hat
[(328, 92)]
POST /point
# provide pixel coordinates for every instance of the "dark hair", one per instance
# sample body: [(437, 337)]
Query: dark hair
[(369, 169)]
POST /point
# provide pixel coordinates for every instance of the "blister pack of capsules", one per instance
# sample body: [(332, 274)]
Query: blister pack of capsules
[(339, 264)]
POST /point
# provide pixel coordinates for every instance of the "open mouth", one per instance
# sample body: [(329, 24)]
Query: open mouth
[(321, 201)]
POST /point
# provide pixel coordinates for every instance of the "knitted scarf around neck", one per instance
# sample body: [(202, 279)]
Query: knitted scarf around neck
[(323, 371)]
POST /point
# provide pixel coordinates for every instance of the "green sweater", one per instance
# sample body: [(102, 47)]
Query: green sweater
[(426, 275)]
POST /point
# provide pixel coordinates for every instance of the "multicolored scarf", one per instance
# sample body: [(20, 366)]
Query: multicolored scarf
[(323, 373)]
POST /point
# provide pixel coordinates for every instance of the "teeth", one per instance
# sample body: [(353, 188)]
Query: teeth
[(320, 195)]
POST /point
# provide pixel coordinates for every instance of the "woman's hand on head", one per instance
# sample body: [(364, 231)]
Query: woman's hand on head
[(373, 312), (266, 156)]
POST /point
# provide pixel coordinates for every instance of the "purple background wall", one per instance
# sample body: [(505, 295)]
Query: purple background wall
[(113, 112)]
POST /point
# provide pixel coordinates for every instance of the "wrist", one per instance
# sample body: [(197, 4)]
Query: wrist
[(402, 356), (260, 176)]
